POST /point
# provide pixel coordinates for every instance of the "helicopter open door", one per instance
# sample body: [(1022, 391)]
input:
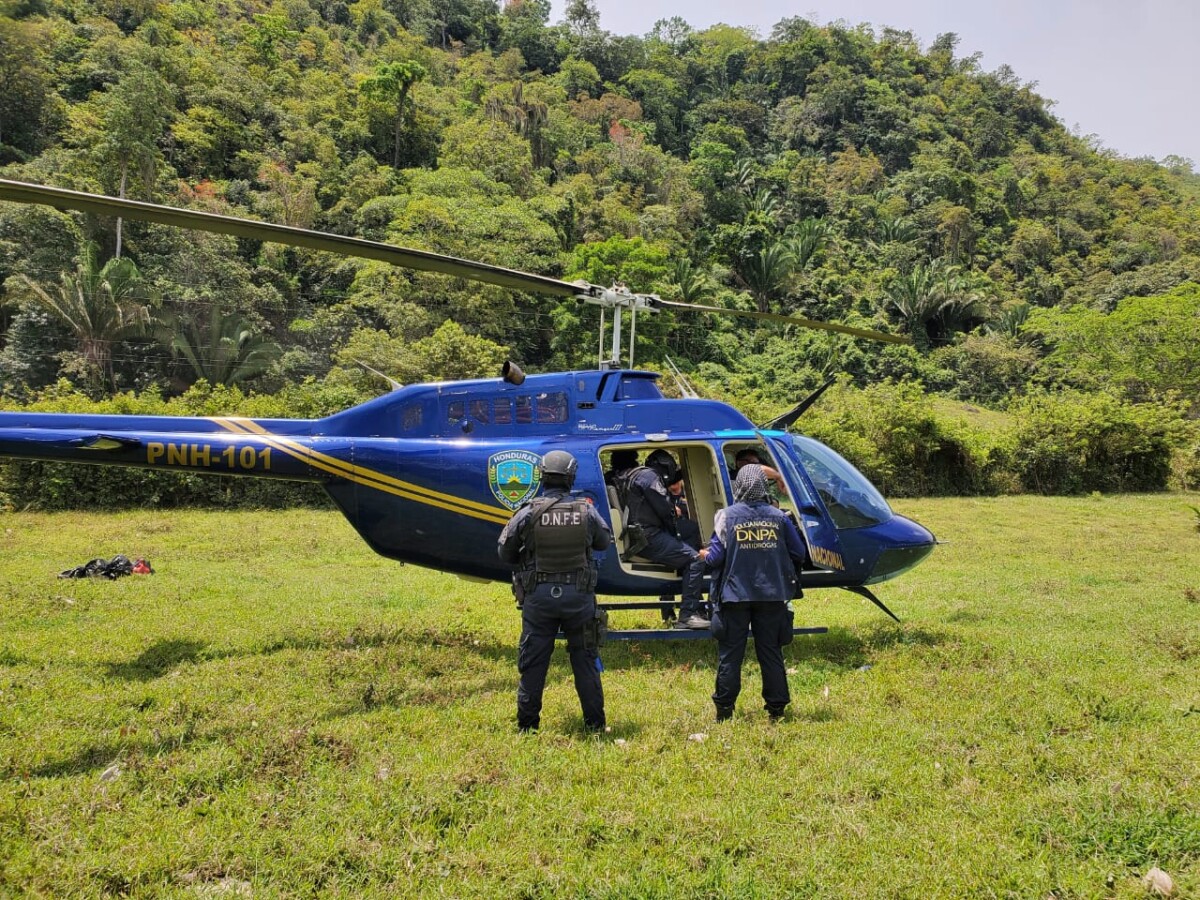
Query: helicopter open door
[(703, 490), (819, 531)]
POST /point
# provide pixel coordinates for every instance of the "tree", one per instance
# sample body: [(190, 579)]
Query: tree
[(582, 18), (578, 78), (222, 348), (391, 83), (931, 299), (523, 26), (125, 125), (1144, 348), (100, 305), (25, 91), (528, 116), (766, 274), (805, 239), (690, 283), (449, 353)]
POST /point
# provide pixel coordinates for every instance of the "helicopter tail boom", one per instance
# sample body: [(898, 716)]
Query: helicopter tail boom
[(224, 446)]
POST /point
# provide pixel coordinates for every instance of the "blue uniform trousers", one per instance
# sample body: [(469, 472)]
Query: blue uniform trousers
[(689, 533), (542, 615), (663, 547), (768, 619)]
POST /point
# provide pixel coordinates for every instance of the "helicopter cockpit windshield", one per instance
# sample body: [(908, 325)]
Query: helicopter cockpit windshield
[(852, 501)]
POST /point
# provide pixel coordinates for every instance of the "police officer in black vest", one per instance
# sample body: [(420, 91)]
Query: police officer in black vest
[(551, 541), (757, 551)]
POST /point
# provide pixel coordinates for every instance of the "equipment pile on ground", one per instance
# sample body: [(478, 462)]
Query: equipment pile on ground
[(109, 568)]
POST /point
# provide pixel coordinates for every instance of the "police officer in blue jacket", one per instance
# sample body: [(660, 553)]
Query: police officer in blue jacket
[(755, 553), (551, 541)]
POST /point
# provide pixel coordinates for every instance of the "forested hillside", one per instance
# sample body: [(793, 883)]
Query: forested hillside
[(837, 172)]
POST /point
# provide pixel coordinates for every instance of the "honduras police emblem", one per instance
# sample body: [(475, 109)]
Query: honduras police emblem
[(514, 476)]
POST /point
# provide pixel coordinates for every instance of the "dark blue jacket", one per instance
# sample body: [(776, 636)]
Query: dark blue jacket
[(758, 550), (647, 499)]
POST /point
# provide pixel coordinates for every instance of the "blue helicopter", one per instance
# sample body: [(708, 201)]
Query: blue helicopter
[(429, 473)]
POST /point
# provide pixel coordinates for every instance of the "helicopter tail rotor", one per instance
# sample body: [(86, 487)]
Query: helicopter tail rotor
[(785, 421)]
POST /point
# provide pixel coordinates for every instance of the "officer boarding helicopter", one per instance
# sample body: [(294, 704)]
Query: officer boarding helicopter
[(429, 473)]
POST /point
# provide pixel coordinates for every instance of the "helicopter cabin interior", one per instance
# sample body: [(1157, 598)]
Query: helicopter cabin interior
[(707, 484)]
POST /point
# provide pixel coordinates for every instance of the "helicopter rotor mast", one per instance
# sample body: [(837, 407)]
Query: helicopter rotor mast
[(617, 298)]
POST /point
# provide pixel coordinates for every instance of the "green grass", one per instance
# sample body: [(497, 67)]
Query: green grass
[(290, 715)]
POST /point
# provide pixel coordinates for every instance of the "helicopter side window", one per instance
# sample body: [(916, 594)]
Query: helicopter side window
[(524, 409), (479, 411), (503, 411), (456, 411), (638, 389), (411, 417), (552, 407)]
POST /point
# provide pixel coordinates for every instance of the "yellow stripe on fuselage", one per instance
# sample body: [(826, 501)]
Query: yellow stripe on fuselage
[(366, 477)]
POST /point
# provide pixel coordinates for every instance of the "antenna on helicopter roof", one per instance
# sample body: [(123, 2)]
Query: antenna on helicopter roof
[(396, 385), (685, 386)]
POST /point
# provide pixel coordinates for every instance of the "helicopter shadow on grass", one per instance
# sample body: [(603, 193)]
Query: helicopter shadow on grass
[(849, 649), (166, 655), (104, 754), (360, 693), (160, 658)]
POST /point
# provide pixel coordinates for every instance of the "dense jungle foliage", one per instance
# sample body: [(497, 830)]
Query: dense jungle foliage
[(1051, 288)]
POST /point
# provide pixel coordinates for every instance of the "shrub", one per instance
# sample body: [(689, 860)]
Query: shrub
[(1075, 442), (1185, 462), (895, 435)]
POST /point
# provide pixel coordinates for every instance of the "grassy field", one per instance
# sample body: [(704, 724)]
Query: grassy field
[(278, 712)]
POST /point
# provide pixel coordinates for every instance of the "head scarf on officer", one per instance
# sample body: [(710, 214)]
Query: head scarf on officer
[(750, 485)]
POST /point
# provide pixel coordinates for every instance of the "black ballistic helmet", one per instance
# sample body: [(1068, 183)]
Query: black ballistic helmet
[(664, 464), (561, 465), (624, 459)]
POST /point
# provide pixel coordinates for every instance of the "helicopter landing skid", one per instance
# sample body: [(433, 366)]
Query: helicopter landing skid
[(668, 634)]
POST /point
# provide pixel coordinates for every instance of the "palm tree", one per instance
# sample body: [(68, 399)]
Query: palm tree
[(100, 305), (900, 229), (222, 349), (1009, 320), (932, 299), (805, 238), (765, 204), (691, 284), (766, 274), (744, 176), (391, 83)]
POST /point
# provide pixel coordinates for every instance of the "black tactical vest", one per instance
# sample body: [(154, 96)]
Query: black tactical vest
[(634, 502), (560, 535)]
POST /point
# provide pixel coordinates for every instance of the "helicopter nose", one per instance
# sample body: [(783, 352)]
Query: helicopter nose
[(908, 544)]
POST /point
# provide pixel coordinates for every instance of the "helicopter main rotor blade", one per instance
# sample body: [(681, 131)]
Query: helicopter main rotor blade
[(60, 198), (792, 320)]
